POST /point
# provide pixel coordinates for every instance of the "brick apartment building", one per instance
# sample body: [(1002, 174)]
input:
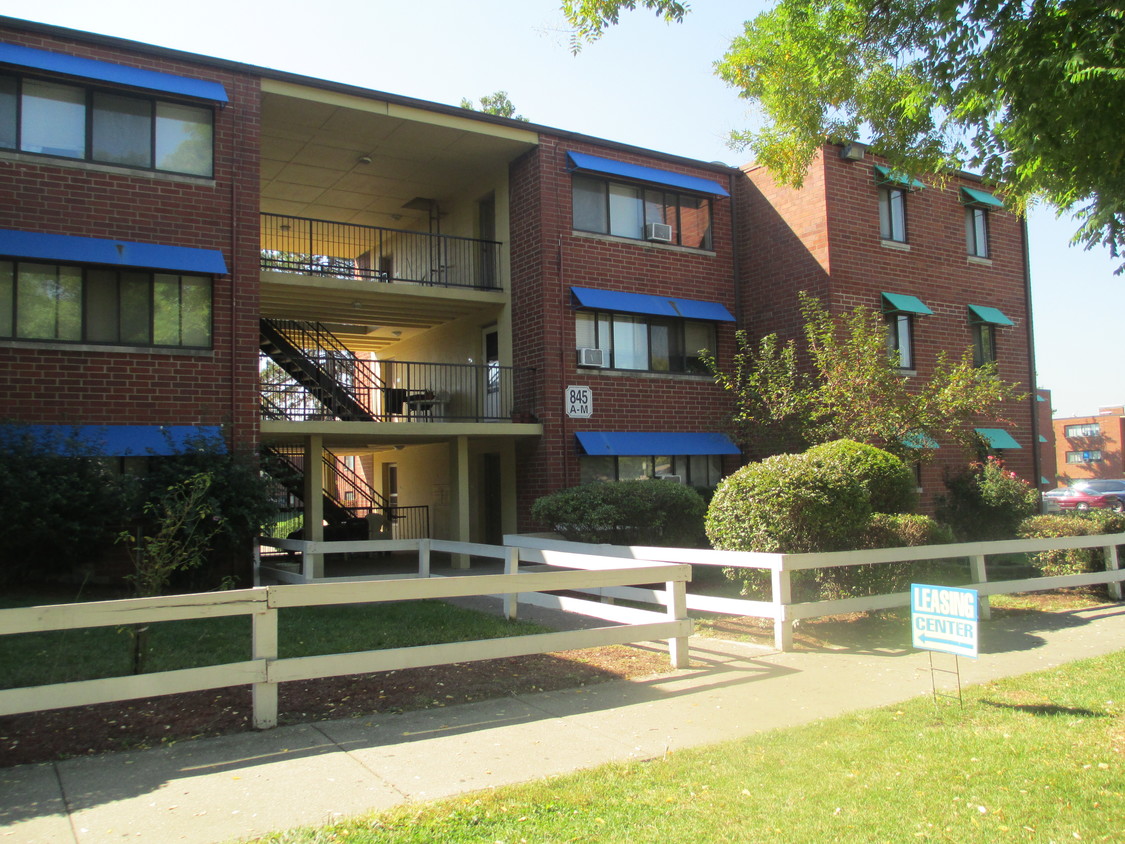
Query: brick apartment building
[(1090, 446), (454, 313), (942, 261)]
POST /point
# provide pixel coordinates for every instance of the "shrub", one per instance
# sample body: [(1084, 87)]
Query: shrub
[(649, 512), (890, 484), (788, 503), (885, 530), (986, 501), (1074, 560), (63, 508)]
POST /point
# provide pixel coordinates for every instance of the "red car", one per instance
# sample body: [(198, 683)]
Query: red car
[(1079, 498)]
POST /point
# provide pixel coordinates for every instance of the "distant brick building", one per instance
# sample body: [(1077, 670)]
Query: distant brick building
[(1091, 446)]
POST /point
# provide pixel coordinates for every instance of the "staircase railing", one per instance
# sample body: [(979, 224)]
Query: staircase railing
[(341, 385)]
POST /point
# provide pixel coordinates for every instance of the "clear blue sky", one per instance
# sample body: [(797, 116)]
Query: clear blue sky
[(645, 83)]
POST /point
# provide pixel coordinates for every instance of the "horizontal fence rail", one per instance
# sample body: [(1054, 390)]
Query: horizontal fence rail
[(389, 256), (265, 669), (783, 611)]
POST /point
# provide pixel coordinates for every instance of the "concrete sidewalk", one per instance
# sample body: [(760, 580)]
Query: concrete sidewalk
[(222, 789)]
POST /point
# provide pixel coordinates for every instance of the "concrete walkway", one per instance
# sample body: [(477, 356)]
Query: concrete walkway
[(223, 789)]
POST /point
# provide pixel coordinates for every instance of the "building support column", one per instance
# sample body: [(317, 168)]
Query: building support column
[(312, 565), (460, 522)]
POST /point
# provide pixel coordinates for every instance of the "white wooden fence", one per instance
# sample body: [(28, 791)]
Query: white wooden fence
[(264, 670), (784, 612)]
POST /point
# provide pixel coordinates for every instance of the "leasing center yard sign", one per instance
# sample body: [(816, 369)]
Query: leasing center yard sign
[(944, 618)]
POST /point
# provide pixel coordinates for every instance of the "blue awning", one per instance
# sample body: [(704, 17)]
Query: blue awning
[(584, 163), (997, 438), (134, 77), (648, 444), (117, 253), (989, 316), (900, 303), (980, 198), (644, 303), (124, 440)]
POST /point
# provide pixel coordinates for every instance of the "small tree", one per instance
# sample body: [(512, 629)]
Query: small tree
[(853, 389), (174, 537)]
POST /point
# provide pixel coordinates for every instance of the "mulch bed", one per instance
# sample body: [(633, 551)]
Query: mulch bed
[(149, 722)]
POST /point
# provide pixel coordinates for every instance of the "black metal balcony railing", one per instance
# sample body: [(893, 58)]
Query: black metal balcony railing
[(342, 250), (409, 392)]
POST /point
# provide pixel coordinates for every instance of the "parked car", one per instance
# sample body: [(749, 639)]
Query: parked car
[(1081, 497), (1112, 486)]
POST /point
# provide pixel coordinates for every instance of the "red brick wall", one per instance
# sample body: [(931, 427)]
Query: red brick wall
[(548, 258), (825, 239), (96, 386)]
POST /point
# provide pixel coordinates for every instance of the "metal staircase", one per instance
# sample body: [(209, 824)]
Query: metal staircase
[(326, 370)]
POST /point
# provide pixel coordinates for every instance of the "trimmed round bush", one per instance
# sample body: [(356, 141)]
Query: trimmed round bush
[(788, 503), (888, 481), (649, 512)]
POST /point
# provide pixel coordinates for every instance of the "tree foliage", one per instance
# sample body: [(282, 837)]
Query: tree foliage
[(853, 390), (1025, 92), (497, 103)]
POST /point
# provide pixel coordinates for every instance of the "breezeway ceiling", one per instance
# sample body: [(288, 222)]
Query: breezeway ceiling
[(311, 155)]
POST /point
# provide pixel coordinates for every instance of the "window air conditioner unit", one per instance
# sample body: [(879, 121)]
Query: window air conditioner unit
[(679, 479), (660, 232), (591, 357)]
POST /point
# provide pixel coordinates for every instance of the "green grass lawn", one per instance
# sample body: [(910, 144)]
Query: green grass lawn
[(1036, 758), (31, 659)]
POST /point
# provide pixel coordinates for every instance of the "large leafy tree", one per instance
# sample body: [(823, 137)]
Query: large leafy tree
[(852, 389), (1027, 92)]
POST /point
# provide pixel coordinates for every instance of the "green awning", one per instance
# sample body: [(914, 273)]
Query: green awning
[(1042, 438), (900, 303), (989, 316), (919, 440), (998, 438), (1043, 480), (980, 198), (887, 176)]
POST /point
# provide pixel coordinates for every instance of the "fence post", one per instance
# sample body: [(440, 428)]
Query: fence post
[(1112, 563), (511, 599), (782, 595), (677, 610), (423, 558), (979, 573), (264, 646)]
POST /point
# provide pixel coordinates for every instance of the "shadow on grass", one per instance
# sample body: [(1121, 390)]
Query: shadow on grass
[(1048, 709)]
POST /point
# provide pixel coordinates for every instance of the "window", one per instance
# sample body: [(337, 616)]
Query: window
[(892, 214), (1084, 456), (976, 231), (72, 304), (1088, 429), (984, 343), (900, 339), (625, 210), (131, 130), (694, 470), (645, 342)]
